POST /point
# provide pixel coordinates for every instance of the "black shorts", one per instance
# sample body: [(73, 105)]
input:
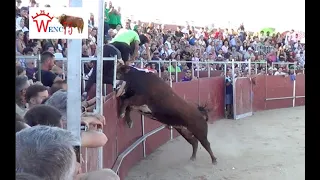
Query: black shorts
[(125, 50)]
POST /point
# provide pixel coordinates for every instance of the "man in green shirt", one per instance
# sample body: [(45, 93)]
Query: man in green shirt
[(106, 19), (112, 15), (118, 17), (128, 42), (173, 67)]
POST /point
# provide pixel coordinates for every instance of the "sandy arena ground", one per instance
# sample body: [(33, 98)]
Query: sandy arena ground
[(270, 145)]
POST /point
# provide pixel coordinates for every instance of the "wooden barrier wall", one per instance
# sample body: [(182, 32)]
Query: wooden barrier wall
[(206, 90)]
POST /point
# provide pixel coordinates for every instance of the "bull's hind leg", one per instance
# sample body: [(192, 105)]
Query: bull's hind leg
[(191, 139), (201, 135)]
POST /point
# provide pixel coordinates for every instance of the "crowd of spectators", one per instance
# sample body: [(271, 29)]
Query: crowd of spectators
[(41, 100)]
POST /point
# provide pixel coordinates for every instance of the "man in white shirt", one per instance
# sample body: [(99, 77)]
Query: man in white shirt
[(279, 72)]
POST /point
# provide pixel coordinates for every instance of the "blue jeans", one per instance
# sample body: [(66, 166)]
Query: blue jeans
[(229, 99)]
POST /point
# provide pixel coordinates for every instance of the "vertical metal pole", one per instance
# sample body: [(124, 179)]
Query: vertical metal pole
[(256, 68), (176, 72), (170, 68), (39, 68), (249, 69), (63, 70), (192, 70), (99, 99), (170, 79), (159, 67), (209, 70), (142, 121), (251, 91), (225, 87), (266, 66), (198, 67), (234, 91), (115, 62), (83, 76), (104, 90), (35, 63), (198, 85), (294, 87), (74, 77)]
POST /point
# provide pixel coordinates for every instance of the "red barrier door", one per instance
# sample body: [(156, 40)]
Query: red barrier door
[(242, 98)]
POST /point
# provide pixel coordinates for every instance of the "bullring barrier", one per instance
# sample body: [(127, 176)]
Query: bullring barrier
[(128, 146)]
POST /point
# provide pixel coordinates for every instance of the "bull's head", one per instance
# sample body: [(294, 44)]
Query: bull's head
[(121, 71), (61, 17)]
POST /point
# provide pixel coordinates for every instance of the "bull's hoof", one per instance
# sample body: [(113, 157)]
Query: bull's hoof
[(122, 115), (214, 161), (130, 124), (193, 158)]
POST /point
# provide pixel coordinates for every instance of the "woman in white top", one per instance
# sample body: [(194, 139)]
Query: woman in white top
[(211, 45), (195, 60), (225, 46)]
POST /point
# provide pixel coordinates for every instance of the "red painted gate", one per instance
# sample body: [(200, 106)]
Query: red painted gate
[(242, 97)]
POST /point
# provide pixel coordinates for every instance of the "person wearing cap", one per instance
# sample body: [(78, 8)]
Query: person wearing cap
[(220, 57), (249, 54)]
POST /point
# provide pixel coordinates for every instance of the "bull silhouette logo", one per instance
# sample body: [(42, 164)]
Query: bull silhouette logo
[(71, 22)]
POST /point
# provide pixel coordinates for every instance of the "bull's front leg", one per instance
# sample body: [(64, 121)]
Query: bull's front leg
[(128, 118), (124, 111), (124, 103)]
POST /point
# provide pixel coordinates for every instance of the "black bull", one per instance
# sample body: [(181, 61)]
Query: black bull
[(154, 98)]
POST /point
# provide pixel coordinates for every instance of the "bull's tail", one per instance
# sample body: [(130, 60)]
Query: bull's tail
[(204, 111)]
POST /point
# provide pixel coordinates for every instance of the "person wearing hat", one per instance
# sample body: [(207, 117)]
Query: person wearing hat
[(249, 54), (220, 57)]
